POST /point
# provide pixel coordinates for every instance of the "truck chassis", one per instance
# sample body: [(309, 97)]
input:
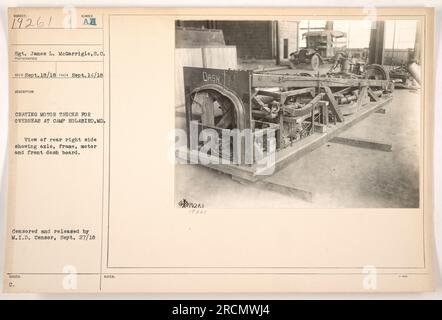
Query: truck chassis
[(303, 111)]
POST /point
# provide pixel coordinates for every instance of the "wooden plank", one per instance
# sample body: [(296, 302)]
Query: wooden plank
[(283, 95), (225, 120), (285, 189), (343, 91), (193, 156), (362, 143), (372, 95), (381, 111), (361, 98), (290, 93), (324, 112), (305, 109), (287, 81), (334, 108), (319, 127), (278, 187), (207, 108), (275, 95)]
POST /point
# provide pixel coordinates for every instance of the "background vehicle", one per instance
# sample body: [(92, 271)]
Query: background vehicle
[(321, 46)]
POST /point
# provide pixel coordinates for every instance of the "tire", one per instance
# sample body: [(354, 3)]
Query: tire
[(377, 72), (315, 62)]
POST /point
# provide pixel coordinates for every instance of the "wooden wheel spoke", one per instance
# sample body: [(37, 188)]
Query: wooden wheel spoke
[(209, 102), (226, 119)]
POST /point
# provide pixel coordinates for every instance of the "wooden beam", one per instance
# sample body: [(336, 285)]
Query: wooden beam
[(362, 143), (207, 108), (372, 95), (324, 112), (288, 81), (285, 189), (343, 91), (334, 108), (282, 96), (381, 111), (276, 95), (361, 98), (291, 93), (305, 109), (278, 187)]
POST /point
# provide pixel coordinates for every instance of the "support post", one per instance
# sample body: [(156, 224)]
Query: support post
[(376, 45), (334, 108)]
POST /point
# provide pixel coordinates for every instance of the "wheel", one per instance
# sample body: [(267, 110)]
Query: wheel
[(376, 72), (216, 109), (315, 62)]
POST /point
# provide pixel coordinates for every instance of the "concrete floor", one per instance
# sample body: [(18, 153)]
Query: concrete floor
[(337, 175)]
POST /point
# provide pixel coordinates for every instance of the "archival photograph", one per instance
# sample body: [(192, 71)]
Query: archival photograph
[(298, 113), (220, 150)]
